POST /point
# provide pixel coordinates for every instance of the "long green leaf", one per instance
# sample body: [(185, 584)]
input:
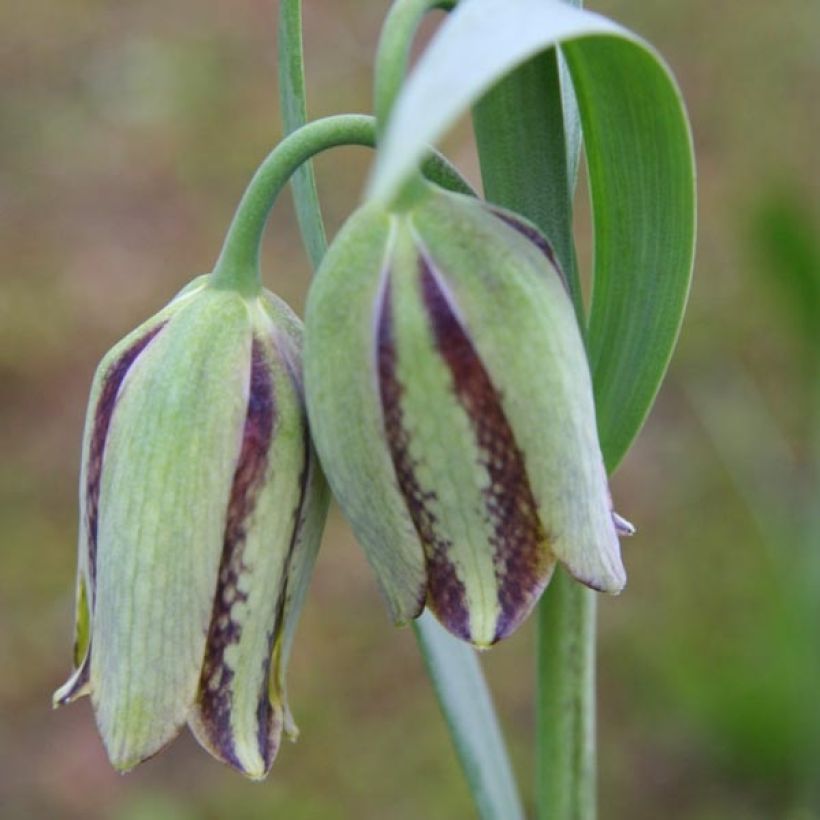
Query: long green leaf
[(468, 708), (640, 169), (641, 173), (453, 666)]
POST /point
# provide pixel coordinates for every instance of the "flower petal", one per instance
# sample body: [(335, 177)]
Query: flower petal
[(504, 297), (105, 389), (345, 409), (459, 467), (104, 393), (239, 715), (166, 476)]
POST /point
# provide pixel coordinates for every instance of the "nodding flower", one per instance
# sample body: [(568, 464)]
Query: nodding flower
[(201, 511), (451, 405)]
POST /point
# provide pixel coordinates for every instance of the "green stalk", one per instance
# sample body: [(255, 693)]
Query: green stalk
[(390, 68), (238, 265), (467, 706), (565, 708), (393, 52), (527, 165)]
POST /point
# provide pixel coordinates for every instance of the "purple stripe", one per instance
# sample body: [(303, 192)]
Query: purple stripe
[(445, 590), (215, 697), (518, 536)]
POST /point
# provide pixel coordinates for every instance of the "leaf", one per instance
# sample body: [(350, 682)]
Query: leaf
[(641, 175), (468, 708), (293, 106)]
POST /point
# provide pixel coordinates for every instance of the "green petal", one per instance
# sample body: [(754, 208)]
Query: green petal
[(300, 568), (166, 477), (240, 709), (345, 408), (510, 296), (459, 468), (312, 515), (107, 379)]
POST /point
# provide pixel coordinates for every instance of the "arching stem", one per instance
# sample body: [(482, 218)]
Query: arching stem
[(238, 264)]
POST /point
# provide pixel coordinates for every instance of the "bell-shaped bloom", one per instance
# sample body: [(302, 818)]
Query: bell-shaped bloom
[(201, 510), (451, 406)]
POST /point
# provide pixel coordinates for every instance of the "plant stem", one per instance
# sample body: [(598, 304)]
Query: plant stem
[(238, 263), (527, 166), (393, 53), (565, 710)]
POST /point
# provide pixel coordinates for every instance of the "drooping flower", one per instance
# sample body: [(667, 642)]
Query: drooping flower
[(451, 406), (201, 510)]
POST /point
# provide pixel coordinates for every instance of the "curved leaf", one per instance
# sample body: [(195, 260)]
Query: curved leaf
[(468, 707), (640, 169)]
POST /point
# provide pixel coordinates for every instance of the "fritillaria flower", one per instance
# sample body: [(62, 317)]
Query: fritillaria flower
[(201, 510), (451, 406)]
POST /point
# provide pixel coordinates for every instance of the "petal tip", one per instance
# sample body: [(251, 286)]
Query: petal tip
[(406, 608), (483, 646), (623, 527), (77, 686), (612, 583)]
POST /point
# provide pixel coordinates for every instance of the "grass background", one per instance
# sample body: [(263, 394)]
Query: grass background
[(127, 132)]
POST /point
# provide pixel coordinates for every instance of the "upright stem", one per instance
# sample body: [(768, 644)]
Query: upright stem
[(527, 165), (238, 263), (565, 710), (393, 53)]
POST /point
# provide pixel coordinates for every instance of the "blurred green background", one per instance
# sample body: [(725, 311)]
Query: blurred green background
[(127, 132)]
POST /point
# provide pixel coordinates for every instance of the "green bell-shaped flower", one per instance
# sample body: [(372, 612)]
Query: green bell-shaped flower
[(201, 510), (451, 406)]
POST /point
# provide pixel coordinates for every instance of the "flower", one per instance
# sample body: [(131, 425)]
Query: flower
[(451, 406), (201, 510)]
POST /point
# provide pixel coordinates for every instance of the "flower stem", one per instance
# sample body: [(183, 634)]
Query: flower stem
[(393, 53), (238, 263), (565, 710)]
